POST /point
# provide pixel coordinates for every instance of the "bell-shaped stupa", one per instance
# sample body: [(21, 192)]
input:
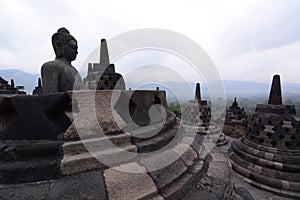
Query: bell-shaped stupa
[(268, 156)]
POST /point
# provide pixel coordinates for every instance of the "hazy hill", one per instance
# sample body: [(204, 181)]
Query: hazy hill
[(184, 91), (21, 78)]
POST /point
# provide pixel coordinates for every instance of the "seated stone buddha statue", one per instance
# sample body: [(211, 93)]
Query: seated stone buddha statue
[(59, 75)]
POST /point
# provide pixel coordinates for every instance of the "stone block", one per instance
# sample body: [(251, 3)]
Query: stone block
[(141, 105), (35, 191), (164, 167), (33, 117), (188, 155), (178, 188), (89, 185), (29, 160), (96, 144), (218, 178), (122, 185), (96, 114), (72, 164)]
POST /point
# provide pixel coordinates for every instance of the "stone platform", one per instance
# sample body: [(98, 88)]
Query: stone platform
[(220, 182), (100, 153)]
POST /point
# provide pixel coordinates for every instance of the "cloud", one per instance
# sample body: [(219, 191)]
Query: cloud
[(262, 65), (235, 34)]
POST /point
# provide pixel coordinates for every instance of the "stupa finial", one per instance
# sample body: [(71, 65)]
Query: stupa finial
[(275, 93), (198, 93)]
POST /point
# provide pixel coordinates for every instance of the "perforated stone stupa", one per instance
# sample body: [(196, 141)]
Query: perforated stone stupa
[(38, 90), (102, 76), (6, 88), (197, 112), (236, 121), (268, 156)]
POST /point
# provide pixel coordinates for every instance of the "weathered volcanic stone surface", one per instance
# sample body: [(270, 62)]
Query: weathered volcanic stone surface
[(220, 174), (188, 155), (25, 191), (267, 155), (96, 114), (102, 76), (29, 160), (236, 121), (142, 102), (88, 185), (215, 179), (234, 130), (97, 160), (168, 168), (274, 126), (114, 108), (33, 117), (122, 185)]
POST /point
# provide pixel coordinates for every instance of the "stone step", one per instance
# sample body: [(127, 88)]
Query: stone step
[(158, 141), (178, 188), (276, 157), (274, 185), (164, 168), (270, 149), (172, 119), (265, 171), (282, 194), (88, 185), (72, 164), (29, 171), (29, 149), (144, 133), (124, 185), (265, 163), (96, 144)]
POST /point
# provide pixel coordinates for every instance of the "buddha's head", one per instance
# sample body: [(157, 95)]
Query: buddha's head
[(64, 44)]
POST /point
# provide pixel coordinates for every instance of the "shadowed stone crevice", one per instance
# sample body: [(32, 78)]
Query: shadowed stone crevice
[(7, 115), (157, 100), (58, 119)]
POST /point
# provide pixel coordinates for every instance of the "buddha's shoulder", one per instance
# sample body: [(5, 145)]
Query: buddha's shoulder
[(52, 65)]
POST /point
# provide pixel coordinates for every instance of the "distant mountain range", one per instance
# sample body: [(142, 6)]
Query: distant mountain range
[(184, 91), (21, 78)]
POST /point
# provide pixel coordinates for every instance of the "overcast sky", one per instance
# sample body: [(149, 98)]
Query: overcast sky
[(247, 40)]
